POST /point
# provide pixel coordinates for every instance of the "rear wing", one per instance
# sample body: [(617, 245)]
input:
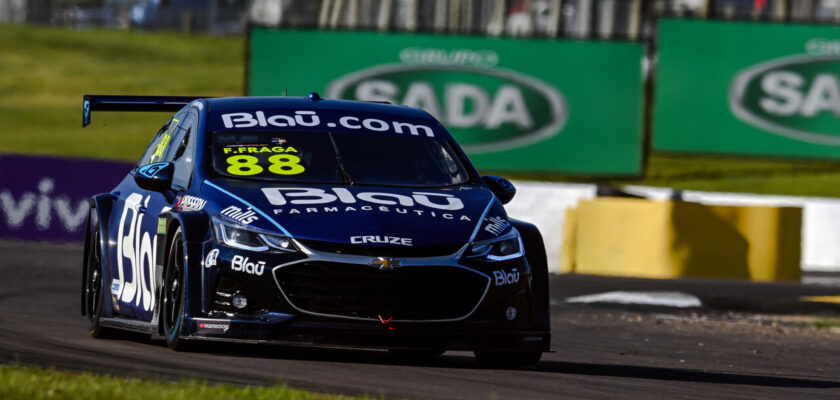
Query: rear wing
[(132, 103)]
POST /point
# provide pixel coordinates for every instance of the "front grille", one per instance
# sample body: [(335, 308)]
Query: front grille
[(381, 251), (411, 293)]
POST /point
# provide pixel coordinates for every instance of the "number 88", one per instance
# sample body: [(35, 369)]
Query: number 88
[(281, 164)]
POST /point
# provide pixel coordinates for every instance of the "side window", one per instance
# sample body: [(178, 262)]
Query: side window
[(153, 145), (164, 149), (182, 150), (160, 147)]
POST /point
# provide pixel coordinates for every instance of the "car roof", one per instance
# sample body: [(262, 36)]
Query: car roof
[(228, 104)]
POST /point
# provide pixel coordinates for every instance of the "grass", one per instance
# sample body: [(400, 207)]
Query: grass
[(827, 322), (28, 383), (727, 174), (47, 70)]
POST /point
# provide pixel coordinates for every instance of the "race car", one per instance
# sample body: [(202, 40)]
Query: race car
[(316, 222)]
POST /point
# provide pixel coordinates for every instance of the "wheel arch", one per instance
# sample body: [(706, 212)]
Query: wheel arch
[(537, 260), (100, 206), (195, 229)]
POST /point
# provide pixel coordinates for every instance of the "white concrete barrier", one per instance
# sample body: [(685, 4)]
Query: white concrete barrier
[(545, 204)]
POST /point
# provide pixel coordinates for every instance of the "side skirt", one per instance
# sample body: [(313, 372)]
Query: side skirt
[(129, 325)]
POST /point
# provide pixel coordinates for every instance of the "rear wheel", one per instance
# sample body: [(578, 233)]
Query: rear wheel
[(507, 359), (94, 290), (172, 312)]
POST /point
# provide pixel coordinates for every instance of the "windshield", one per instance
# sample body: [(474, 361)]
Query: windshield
[(336, 158)]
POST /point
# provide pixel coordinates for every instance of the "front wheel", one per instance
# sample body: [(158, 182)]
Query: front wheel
[(507, 359), (172, 313)]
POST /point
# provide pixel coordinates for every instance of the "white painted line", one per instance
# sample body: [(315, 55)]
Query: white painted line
[(667, 299), (821, 280)]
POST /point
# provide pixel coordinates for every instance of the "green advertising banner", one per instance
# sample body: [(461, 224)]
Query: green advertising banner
[(748, 89), (514, 105)]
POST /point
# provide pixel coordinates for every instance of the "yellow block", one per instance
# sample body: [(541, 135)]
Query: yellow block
[(567, 252), (670, 239)]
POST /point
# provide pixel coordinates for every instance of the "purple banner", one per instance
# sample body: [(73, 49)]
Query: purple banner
[(45, 198)]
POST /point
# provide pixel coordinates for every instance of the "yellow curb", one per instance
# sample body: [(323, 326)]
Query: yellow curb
[(821, 299)]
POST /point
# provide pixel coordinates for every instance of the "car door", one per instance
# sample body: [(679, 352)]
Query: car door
[(133, 224)]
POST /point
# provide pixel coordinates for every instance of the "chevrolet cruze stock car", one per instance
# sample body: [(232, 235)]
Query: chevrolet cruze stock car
[(316, 222)]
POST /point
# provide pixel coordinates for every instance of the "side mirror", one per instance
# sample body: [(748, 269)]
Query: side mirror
[(501, 187), (156, 177)]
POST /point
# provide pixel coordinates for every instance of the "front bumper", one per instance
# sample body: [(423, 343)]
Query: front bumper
[(377, 315)]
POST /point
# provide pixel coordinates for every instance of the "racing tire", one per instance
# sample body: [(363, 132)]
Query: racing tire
[(94, 286), (507, 359), (172, 313)]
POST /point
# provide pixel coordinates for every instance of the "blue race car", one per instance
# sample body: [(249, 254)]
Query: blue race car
[(311, 221)]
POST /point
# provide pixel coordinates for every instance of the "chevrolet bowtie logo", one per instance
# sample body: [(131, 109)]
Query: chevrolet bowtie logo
[(386, 263)]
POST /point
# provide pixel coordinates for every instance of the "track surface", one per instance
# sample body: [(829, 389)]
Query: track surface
[(601, 351)]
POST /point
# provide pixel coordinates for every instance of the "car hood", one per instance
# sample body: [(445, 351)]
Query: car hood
[(362, 215)]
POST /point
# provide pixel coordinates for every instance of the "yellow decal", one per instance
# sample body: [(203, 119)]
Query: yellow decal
[(281, 164), (259, 149), (161, 225), (285, 164), (161, 147), (243, 165)]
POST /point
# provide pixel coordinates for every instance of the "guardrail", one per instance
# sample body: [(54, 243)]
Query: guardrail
[(546, 205)]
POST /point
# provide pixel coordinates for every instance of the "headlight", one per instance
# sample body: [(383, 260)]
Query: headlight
[(499, 249), (240, 237)]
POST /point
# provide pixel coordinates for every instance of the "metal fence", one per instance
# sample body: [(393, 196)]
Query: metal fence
[(213, 16), (582, 19)]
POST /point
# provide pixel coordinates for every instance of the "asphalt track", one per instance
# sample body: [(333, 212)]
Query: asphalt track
[(720, 350)]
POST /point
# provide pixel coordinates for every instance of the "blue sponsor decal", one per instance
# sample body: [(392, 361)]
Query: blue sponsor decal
[(151, 170)]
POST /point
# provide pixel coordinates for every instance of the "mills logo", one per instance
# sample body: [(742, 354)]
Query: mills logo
[(496, 225), (796, 97), (486, 108), (243, 217)]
